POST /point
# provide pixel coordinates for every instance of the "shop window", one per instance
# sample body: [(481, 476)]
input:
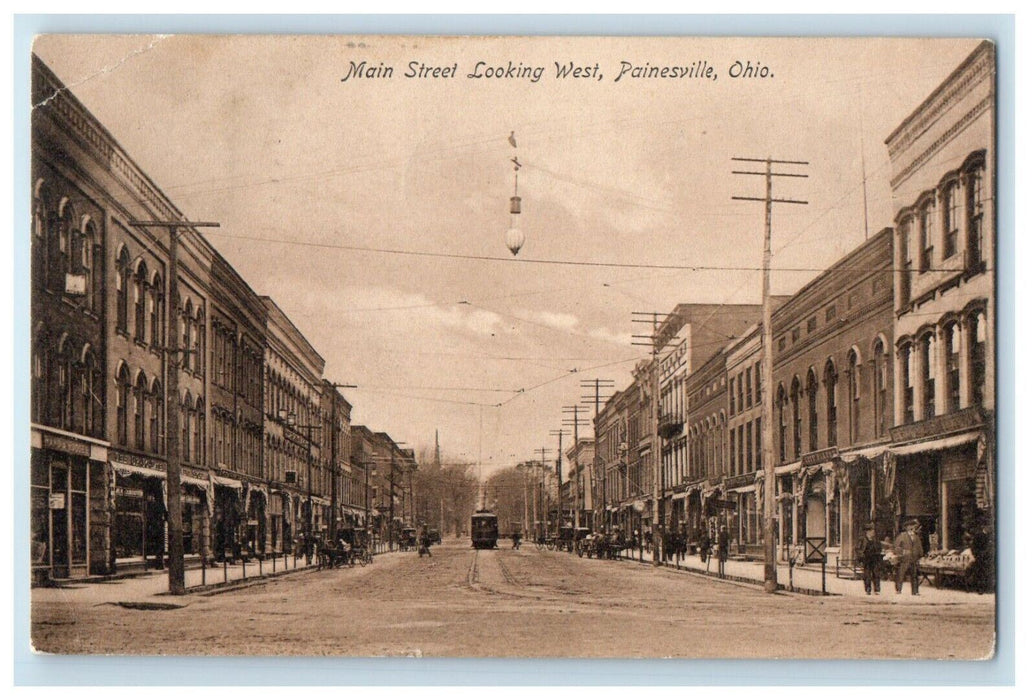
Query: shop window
[(78, 515), (951, 334)]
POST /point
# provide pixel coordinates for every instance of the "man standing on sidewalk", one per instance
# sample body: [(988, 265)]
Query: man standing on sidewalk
[(909, 550), (723, 549), (869, 554)]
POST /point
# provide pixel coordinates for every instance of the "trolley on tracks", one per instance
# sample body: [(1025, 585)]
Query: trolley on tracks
[(484, 530)]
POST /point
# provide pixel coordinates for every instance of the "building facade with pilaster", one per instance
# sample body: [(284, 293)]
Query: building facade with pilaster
[(941, 468)]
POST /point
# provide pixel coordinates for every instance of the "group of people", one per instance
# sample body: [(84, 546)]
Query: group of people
[(678, 542), (903, 557)]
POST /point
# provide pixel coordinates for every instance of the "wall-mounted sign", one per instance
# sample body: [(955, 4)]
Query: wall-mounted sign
[(57, 501)]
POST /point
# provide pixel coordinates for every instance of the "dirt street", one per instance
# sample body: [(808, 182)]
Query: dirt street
[(525, 603)]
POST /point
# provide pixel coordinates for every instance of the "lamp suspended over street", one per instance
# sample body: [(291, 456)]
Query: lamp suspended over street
[(515, 237)]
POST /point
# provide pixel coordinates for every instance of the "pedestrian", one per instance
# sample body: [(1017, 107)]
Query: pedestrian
[(723, 549), (704, 545), (981, 578), (909, 550), (869, 554)]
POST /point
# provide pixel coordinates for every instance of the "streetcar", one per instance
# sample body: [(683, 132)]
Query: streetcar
[(484, 531)]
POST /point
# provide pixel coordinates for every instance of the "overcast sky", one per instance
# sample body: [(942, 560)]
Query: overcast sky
[(264, 136)]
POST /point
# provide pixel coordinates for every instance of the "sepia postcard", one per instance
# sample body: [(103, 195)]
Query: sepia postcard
[(529, 347)]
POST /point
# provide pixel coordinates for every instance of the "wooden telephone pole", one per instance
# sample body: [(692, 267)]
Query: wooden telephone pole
[(769, 475), (174, 500)]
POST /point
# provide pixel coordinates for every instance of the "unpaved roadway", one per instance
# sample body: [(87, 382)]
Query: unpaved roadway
[(525, 603)]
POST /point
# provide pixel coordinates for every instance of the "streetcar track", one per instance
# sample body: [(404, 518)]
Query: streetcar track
[(473, 572)]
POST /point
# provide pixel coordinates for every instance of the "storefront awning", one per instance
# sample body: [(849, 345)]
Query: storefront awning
[(744, 489), (123, 469), (224, 481), (194, 481), (933, 445), (863, 453)]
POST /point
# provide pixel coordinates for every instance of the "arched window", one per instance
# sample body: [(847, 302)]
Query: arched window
[(40, 225), (906, 255), (139, 400), (122, 279), (925, 223), (185, 427), (880, 388), (140, 303), (156, 311), (854, 396), (974, 203), (906, 368), (199, 341), (831, 387), (977, 368), (91, 403), (782, 425), (199, 432), (40, 350), (811, 405), (927, 358), (90, 256), (186, 316), (950, 219), (796, 418), (68, 244), (951, 336), (122, 381), (157, 416), (65, 391)]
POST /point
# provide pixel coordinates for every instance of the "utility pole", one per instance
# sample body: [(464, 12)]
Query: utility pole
[(542, 452), (597, 384), (769, 475), (174, 499), (560, 433), (574, 422), (334, 457), (658, 514)]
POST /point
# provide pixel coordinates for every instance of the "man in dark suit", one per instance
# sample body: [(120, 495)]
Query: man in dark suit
[(909, 549), (868, 553)]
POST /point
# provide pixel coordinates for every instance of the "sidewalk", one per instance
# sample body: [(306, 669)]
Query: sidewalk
[(153, 587), (809, 581)]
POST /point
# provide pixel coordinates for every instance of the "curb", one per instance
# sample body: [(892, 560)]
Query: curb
[(739, 580)]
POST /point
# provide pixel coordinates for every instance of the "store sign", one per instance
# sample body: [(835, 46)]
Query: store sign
[(57, 501), (75, 285), (64, 444), (128, 492)]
